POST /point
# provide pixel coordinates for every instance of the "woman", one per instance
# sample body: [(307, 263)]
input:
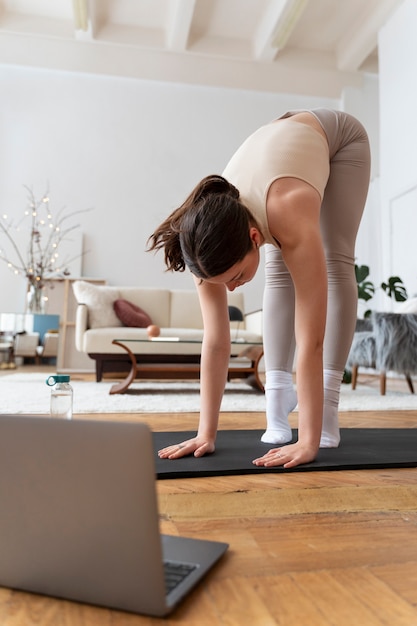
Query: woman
[(298, 186)]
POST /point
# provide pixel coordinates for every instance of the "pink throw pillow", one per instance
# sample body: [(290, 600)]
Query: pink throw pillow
[(130, 314)]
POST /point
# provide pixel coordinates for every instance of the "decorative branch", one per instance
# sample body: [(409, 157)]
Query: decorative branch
[(46, 235)]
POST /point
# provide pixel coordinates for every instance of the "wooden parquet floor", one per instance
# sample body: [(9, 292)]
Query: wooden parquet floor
[(306, 549)]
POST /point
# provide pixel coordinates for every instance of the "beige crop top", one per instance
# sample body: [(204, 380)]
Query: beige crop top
[(281, 149)]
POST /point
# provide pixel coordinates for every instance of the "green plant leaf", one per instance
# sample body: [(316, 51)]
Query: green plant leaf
[(366, 290), (361, 272), (395, 288)]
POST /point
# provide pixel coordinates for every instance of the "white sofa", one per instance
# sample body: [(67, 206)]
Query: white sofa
[(175, 311)]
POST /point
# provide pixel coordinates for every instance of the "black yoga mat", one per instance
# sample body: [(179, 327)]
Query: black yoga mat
[(360, 448)]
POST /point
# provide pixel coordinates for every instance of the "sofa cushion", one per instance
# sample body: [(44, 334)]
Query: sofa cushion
[(156, 302), (185, 308), (130, 314), (99, 300), (99, 341)]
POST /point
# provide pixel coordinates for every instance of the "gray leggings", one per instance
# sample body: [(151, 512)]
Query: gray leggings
[(341, 212)]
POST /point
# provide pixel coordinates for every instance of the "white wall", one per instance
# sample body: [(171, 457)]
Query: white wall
[(364, 104), (398, 98), (386, 240), (130, 149)]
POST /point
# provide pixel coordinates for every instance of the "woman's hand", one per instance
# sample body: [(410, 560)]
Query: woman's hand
[(287, 456), (198, 446)]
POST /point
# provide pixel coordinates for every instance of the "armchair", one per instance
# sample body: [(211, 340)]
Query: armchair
[(26, 345), (49, 347), (390, 345)]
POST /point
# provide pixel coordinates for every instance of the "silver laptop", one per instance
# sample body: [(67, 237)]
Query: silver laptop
[(79, 517)]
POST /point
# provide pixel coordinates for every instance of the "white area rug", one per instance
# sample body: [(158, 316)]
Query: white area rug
[(28, 393)]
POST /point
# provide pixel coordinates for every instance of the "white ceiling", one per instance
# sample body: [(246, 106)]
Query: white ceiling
[(310, 47)]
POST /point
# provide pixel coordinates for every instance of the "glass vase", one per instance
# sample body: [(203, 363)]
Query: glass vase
[(35, 300)]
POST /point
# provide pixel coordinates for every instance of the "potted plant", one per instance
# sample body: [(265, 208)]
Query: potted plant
[(393, 287)]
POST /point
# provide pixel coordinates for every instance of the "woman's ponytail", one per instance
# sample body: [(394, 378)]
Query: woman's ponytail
[(213, 184)]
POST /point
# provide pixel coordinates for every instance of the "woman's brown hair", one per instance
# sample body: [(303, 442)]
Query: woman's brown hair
[(208, 233)]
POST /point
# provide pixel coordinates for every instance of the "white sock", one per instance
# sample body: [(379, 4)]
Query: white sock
[(281, 399), (330, 435)]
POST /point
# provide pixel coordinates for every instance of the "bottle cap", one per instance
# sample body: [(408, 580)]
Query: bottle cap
[(58, 378)]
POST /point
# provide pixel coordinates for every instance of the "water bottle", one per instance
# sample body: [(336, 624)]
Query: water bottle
[(61, 395)]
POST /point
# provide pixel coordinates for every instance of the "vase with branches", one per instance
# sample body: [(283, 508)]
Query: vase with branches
[(37, 258)]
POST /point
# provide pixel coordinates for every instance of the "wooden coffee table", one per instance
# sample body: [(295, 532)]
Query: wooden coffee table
[(244, 362)]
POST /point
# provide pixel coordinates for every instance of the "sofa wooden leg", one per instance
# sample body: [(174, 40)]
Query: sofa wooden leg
[(410, 383), (99, 370), (383, 383), (354, 376)]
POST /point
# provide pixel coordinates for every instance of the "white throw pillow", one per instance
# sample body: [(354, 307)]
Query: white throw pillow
[(99, 300)]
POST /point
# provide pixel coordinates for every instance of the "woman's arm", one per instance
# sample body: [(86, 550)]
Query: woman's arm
[(294, 218), (215, 354)]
